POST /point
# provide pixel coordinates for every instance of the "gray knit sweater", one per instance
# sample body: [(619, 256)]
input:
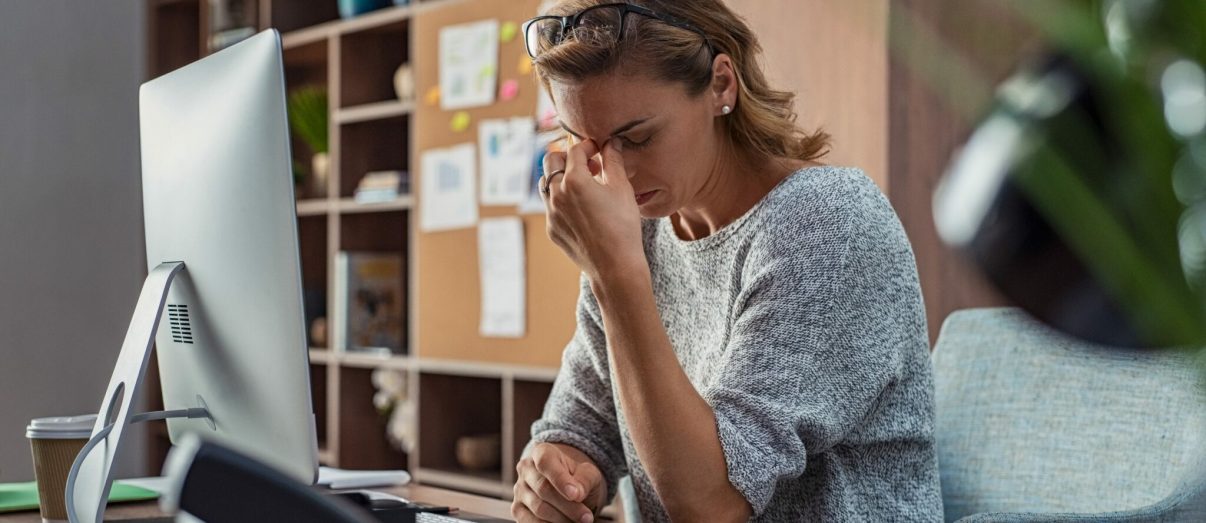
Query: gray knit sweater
[(801, 324)]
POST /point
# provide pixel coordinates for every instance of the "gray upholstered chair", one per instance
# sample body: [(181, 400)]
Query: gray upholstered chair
[(1034, 426)]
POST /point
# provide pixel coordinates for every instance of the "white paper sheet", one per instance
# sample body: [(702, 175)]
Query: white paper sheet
[(339, 479), (468, 64), (505, 148), (501, 263), (449, 196)]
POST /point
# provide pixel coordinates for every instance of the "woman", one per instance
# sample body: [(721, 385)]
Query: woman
[(751, 340)]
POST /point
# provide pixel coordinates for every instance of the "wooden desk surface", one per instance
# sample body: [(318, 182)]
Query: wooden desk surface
[(418, 493)]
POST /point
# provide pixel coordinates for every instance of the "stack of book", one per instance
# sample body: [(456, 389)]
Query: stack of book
[(382, 186)]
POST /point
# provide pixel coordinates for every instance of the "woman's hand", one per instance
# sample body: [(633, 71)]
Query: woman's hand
[(557, 483), (592, 211)]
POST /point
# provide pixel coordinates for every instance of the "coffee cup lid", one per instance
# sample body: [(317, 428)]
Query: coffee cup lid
[(61, 427)]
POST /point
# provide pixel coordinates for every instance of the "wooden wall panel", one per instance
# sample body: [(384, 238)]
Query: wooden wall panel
[(833, 55)]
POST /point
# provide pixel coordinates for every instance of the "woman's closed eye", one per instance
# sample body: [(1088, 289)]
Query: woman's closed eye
[(629, 143)]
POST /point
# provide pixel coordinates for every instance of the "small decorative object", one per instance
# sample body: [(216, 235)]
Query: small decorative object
[(509, 90), (308, 122), (318, 332), (460, 121), (433, 96), (404, 83), (354, 8), (480, 452), (382, 186), (392, 401), (507, 32)]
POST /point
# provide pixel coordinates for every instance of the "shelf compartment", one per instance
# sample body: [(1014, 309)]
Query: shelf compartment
[(374, 145), (291, 15), (368, 59), (306, 64), (528, 399), (318, 394), (176, 35), (385, 233), (362, 440), (312, 242), (451, 407)]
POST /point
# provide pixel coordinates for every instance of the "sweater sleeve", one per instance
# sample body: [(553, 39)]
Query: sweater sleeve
[(815, 341), (581, 411)]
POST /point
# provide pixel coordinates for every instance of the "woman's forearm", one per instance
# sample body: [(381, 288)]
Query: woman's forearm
[(673, 428)]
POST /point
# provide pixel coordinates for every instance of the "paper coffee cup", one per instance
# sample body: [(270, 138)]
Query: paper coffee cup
[(55, 443)]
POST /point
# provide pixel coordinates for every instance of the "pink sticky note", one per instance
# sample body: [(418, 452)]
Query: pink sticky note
[(509, 90)]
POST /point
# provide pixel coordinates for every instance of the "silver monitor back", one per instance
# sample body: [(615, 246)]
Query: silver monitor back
[(218, 196)]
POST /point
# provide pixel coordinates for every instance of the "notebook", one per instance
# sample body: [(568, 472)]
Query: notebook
[(24, 496)]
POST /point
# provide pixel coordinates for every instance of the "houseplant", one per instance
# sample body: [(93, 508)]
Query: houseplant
[(308, 121)]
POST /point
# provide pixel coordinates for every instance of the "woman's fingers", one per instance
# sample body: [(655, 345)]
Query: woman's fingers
[(578, 160), (613, 163), (544, 493), (554, 162), (540, 508)]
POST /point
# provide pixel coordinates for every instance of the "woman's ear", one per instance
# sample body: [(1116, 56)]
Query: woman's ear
[(724, 82)]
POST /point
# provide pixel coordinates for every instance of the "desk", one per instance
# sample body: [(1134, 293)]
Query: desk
[(420, 493)]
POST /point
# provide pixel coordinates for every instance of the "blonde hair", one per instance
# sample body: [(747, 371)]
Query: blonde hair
[(763, 121)]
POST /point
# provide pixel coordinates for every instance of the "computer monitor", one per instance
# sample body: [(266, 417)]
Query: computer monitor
[(218, 198)]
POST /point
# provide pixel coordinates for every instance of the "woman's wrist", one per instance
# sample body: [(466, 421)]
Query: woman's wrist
[(621, 283)]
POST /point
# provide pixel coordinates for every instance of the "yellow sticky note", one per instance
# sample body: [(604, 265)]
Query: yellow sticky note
[(433, 96), (507, 32), (460, 121), (525, 64)]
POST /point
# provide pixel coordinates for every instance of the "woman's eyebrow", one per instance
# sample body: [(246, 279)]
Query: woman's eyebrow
[(618, 130)]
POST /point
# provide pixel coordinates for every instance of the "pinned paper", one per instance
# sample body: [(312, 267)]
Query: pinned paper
[(544, 142), (460, 121), (433, 96), (525, 65), (507, 32), (468, 65), (448, 185), (509, 90), (505, 148), (546, 112), (500, 247)]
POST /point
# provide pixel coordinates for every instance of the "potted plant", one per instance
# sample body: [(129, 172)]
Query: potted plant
[(308, 115)]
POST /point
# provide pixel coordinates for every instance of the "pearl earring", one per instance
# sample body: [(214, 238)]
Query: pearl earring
[(726, 109)]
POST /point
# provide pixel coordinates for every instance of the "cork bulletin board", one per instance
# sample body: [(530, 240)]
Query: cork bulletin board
[(448, 293)]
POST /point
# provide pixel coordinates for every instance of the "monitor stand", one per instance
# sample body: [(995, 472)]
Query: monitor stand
[(92, 473)]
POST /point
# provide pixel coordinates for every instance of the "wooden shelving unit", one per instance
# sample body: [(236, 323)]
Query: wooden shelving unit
[(370, 130)]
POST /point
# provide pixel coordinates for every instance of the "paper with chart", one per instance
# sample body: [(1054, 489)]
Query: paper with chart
[(500, 246), (449, 195), (468, 65), (533, 204), (505, 148)]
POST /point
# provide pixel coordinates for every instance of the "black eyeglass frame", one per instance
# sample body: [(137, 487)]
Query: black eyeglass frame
[(568, 23)]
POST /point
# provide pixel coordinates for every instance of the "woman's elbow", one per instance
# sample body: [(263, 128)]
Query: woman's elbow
[(728, 507)]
